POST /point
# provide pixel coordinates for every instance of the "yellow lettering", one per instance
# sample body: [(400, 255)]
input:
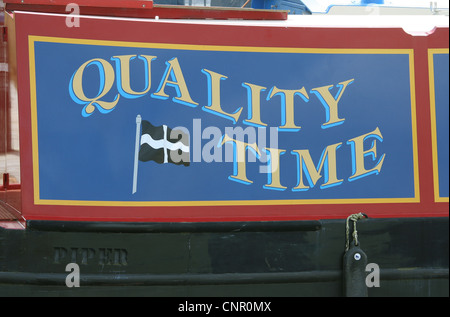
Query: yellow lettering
[(124, 78), (287, 106), (330, 103), (254, 105), (173, 70), (274, 169), (240, 159), (106, 73), (306, 168), (358, 154), (214, 105)]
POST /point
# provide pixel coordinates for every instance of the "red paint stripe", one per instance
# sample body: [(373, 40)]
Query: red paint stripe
[(161, 32), (86, 3), (144, 9)]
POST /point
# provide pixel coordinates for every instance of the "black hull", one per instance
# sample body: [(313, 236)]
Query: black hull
[(300, 258)]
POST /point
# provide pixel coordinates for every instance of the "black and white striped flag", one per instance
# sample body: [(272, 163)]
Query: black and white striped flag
[(163, 145), (160, 144)]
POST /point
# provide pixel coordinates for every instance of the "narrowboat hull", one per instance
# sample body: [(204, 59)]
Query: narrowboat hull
[(206, 152), (244, 259)]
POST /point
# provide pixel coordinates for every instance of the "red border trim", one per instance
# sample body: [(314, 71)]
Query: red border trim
[(143, 9), (237, 35), (87, 3)]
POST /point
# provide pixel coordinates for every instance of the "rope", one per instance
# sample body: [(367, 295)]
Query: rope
[(243, 6), (354, 218)]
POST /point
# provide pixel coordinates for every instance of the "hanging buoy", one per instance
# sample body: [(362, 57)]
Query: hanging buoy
[(354, 262)]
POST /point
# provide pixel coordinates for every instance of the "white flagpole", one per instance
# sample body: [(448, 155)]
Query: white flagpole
[(165, 144), (136, 152)]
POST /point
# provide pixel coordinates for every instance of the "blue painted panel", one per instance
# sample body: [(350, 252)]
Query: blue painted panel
[(90, 156), (441, 84)]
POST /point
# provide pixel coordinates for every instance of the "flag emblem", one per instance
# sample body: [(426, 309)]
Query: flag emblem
[(163, 145), (160, 144)]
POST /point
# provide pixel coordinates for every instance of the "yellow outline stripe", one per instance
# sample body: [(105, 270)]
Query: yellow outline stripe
[(431, 52), (191, 47), (35, 155), (34, 129), (282, 202), (414, 126)]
